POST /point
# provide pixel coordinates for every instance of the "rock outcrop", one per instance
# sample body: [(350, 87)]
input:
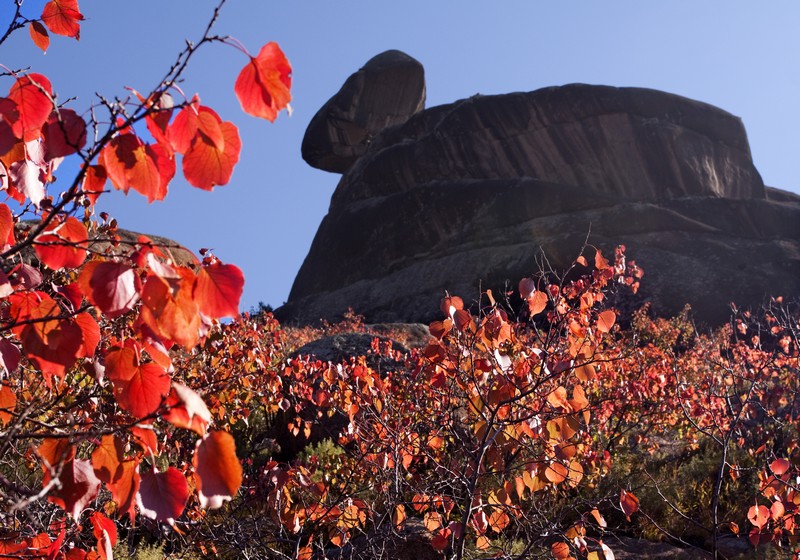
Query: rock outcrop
[(465, 196), (388, 90)]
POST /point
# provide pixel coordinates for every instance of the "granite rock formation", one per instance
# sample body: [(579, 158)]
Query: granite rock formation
[(465, 196), (388, 90)]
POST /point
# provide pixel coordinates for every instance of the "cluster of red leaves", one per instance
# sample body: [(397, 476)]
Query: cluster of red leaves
[(500, 405), (90, 327)]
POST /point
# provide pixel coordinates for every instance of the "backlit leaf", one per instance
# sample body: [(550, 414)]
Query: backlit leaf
[(218, 289), (64, 134), (8, 401), (113, 287), (79, 486), (139, 388), (207, 164), (758, 515), (39, 35), (606, 320), (162, 495), (33, 95), (187, 409), (218, 469), (105, 531), (62, 244), (629, 503), (107, 458), (6, 227), (62, 17), (262, 86)]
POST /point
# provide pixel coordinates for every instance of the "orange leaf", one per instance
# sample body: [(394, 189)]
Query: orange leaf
[(210, 159), (218, 289), (556, 473), (131, 163), (8, 402), (560, 550), (219, 473), (758, 515), (606, 320), (169, 309), (399, 516), (187, 409), (262, 86), (163, 495), (537, 302), (62, 244), (599, 261), (629, 503), (62, 17), (498, 520), (39, 35), (599, 518), (93, 182), (107, 458), (125, 488)]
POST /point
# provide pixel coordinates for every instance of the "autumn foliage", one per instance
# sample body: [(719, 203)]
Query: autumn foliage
[(90, 322), (546, 421)]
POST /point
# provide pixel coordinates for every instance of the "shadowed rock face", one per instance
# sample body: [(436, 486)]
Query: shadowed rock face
[(463, 197), (386, 91)]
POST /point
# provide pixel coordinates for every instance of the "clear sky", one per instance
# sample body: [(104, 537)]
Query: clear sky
[(741, 56)]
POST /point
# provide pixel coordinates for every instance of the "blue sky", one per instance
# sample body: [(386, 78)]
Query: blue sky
[(741, 56)]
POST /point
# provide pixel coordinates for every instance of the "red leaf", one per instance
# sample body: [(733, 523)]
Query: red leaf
[(6, 227), (758, 515), (33, 96), (62, 17), (90, 335), (139, 388), (62, 244), (39, 35), (131, 163), (187, 409), (218, 289), (606, 320), (110, 286), (779, 466), (94, 181), (52, 344), (64, 134), (105, 531), (629, 503), (79, 486), (262, 86), (219, 473), (162, 496)]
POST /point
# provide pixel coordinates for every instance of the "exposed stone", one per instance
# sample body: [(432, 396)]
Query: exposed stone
[(466, 196), (388, 90)]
